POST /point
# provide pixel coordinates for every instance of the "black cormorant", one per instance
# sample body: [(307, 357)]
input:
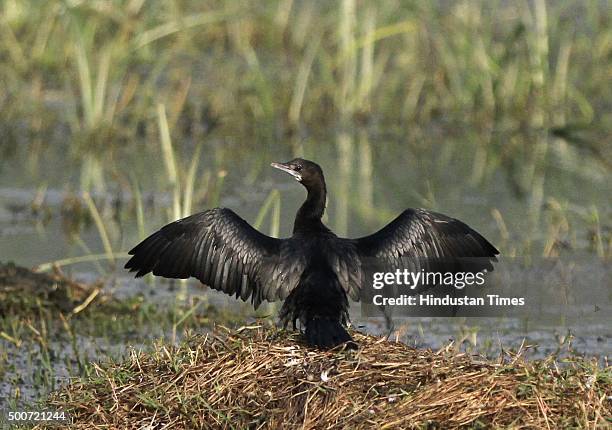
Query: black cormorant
[(314, 271)]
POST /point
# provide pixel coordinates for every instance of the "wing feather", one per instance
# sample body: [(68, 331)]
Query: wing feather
[(224, 252), (416, 240), (426, 240)]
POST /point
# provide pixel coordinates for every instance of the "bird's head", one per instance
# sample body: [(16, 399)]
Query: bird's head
[(306, 172)]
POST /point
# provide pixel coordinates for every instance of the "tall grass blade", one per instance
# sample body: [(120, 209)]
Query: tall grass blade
[(345, 148), (301, 81), (87, 251), (367, 62), (99, 225), (189, 184), (169, 160), (172, 27), (140, 222), (348, 58), (80, 259), (275, 218), (99, 97), (273, 199), (85, 81)]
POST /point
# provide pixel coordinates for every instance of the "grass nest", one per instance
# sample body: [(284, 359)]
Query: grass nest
[(264, 378)]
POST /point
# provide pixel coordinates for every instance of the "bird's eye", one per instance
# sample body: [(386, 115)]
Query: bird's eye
[(297, 168)]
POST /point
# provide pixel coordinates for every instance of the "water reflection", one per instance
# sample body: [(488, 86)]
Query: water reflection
[(371, 176)]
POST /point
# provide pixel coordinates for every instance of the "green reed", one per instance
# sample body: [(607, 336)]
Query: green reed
[(526, 81)]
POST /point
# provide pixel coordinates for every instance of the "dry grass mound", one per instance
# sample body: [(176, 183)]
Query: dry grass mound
[(263, 378), (23, 291)]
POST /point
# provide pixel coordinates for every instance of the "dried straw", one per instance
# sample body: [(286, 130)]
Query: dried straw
[(264, 378)]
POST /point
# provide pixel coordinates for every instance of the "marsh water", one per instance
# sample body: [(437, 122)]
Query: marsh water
[(371, 178)]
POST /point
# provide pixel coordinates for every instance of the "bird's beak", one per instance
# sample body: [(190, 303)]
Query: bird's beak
[(287, 169)]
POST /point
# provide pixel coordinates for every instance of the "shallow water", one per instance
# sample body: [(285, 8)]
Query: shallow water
[(435, 172), (489, 337)]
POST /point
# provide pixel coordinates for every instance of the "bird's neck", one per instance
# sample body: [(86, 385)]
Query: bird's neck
[(309, 215)]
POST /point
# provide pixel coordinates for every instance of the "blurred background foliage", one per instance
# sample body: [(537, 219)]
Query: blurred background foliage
[(517, 87)]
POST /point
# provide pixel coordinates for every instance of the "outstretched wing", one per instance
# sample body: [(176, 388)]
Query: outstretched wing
[(224, 252), (422, 240)]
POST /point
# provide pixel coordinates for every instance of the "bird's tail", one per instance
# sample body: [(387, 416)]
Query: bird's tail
[(325, 332)]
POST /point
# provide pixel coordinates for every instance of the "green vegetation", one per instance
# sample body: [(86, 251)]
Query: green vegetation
[(138, 112), (521, 87)]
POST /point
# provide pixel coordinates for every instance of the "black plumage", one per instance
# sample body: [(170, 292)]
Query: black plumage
[(314, 271)]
